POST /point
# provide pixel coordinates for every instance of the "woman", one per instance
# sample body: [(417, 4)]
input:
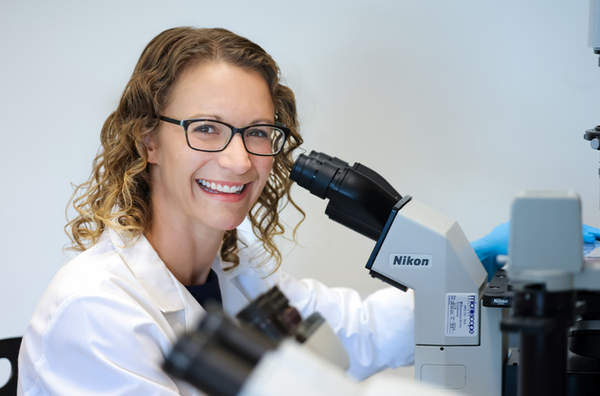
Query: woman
[(202, 139)]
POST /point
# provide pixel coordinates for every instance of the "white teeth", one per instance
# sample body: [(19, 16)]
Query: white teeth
[(218, 187)]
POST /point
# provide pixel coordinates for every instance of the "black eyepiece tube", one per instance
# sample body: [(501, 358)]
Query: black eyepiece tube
[(219, 357), (316, 172), (359, 198), (271, 315)]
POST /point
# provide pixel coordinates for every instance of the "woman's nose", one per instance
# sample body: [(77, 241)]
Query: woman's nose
[(235, 157)]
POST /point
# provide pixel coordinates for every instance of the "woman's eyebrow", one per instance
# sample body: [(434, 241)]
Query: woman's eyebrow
[(262, 121), (196, 116), (219, 118)]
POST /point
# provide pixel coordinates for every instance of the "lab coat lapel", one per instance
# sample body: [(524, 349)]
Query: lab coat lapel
[(145, 264)]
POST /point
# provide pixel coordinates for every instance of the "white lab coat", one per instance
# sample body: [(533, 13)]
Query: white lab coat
[(110, 316)]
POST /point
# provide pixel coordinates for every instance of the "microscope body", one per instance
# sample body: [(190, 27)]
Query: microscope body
[(458, 342)]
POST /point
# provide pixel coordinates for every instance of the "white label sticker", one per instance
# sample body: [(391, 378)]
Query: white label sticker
[(462, 315)]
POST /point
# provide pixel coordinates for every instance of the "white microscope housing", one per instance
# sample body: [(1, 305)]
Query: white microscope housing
[(458, 342)]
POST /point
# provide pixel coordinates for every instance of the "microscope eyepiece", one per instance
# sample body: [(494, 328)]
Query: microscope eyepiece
[(272, 315), (359, 198), (218, 357), (316, 171)]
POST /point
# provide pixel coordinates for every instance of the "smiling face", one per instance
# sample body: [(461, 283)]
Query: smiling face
[(209, 192)]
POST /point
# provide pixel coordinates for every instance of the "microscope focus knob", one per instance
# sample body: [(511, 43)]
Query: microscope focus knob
[(593, 136)]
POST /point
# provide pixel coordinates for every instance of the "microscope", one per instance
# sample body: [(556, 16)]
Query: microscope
[(461, 320), (458, 342)]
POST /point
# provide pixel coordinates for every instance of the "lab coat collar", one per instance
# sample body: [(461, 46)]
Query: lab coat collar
[(152, 273)]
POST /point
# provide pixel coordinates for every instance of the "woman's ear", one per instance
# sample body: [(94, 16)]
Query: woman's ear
[(150, 141)]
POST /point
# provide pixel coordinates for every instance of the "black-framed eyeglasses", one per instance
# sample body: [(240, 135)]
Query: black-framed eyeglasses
[(209, 135)]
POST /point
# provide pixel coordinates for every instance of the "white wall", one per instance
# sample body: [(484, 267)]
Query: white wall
[(460, 104)]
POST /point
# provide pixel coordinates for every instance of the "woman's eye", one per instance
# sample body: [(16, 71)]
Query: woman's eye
[(203, 128), (257, 133)]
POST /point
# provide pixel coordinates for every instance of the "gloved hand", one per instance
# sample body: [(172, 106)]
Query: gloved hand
[(496, 242), (590, 234), (490, 246)]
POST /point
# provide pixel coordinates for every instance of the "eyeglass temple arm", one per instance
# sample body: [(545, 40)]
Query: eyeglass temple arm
[(171, 120)]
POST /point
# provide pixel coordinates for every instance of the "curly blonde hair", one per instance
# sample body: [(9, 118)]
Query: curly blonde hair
[(117, 195)]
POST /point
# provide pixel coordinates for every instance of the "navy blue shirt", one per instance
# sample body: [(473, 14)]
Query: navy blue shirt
[(209, 291)]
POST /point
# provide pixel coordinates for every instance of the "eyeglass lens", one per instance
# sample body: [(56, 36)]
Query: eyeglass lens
[(208, 135)]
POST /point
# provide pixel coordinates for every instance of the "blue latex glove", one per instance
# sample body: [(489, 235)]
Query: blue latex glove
[(490, 246), (496, 242), (590, 234)]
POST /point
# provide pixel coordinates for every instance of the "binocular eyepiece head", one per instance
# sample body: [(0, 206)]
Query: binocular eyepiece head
[(359, 198)]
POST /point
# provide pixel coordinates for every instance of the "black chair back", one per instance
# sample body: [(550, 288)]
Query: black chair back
[(9, 348)]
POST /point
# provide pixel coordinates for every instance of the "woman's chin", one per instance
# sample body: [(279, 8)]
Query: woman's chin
[(231, 224)]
